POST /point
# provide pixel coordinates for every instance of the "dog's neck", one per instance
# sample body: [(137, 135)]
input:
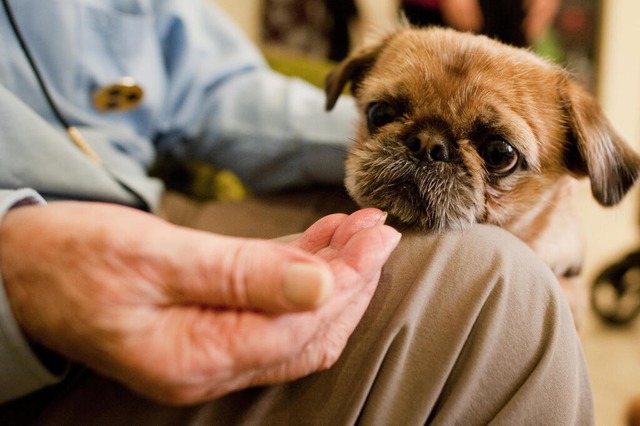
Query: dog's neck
[(551, 229)]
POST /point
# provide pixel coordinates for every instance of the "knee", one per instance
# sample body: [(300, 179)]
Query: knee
[(479, 256), (482, 275), (495, 313)]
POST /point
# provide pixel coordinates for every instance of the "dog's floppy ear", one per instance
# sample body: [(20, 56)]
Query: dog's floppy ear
[(352, 69), (595, 149)]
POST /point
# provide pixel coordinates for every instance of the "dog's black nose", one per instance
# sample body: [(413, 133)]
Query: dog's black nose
[(430, 147)]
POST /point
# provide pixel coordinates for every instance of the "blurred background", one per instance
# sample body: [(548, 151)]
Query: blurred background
[(598, 40)]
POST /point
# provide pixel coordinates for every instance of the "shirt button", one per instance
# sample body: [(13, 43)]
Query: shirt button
[(122, 95)]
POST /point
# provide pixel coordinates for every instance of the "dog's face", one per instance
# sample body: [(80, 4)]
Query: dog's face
[(458, 129)]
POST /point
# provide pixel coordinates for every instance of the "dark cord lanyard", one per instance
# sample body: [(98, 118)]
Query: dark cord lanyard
[(74, 134)]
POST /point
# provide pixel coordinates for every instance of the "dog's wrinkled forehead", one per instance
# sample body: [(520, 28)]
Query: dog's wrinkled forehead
[(451, 66), (466, 81)]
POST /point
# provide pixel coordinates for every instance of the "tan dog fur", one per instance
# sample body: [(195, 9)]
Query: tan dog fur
[(451, 100)]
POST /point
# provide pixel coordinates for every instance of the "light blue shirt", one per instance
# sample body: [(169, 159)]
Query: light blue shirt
[(209, 95)]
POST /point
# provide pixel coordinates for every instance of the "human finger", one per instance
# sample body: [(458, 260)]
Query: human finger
[(226, 272), (333, 322), (336, 230), (270, 276), (366, 252)]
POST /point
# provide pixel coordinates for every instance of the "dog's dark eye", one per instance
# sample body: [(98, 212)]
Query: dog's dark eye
[(499, 156), (379, 114)]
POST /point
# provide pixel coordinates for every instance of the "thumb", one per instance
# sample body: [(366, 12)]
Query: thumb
[(251, 274), (273, 277)]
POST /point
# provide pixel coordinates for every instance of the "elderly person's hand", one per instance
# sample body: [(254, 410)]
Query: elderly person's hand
[(183, 316)]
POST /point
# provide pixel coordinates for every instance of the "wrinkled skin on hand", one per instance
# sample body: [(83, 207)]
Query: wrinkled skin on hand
[(183, 316)]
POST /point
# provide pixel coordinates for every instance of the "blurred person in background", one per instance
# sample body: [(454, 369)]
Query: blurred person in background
[(518, 23)]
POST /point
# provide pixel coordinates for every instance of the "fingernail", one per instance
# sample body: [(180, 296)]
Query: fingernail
[(383, 218), (305, 285), (394, 238), (397, 237)]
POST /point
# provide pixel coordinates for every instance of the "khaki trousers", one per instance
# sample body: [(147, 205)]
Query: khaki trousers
[(466, 328)]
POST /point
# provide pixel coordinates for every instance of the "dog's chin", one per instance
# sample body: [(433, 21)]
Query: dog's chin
[(429, 197)]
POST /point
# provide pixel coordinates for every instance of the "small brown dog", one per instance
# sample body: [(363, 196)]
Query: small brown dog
[(460, 129)]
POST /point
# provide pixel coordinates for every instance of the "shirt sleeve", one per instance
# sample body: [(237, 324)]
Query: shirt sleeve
[(226, 106), (21, 372)]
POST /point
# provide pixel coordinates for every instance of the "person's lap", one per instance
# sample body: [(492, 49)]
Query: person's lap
[(465, 327)]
